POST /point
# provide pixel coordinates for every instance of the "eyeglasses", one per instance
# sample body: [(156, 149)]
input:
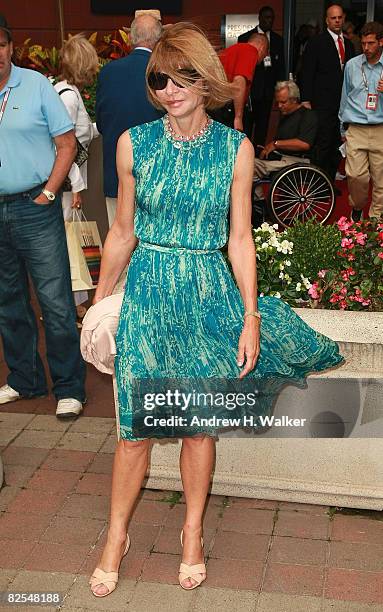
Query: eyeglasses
[(159, 80)]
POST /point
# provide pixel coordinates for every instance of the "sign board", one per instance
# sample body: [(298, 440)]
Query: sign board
[(235, 25), (128, 7)]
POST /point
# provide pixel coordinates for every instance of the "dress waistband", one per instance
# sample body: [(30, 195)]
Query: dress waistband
[(175, 250)]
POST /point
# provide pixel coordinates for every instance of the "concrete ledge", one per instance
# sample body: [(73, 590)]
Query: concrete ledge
[(345, 473), (345, 325), (328, 471)]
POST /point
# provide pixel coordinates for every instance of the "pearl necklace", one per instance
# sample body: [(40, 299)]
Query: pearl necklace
[(179, 139)]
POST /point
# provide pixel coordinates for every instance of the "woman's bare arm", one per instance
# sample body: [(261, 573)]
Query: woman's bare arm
[(241, 252), (120, 241)]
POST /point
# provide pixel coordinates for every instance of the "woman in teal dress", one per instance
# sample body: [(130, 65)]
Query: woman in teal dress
[(183, 316)]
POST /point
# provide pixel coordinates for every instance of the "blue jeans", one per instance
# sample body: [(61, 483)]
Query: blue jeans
[(32, 241)]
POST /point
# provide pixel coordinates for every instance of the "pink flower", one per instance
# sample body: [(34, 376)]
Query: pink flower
[(345, 274), (351, 257), (344, 224), (322, 273), (343, 304), (347, 243), (313, 291), (380, 255), (361, 238)]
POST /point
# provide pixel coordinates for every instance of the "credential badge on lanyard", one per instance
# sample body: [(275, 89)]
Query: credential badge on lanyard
[(372, 98), (4, 104)]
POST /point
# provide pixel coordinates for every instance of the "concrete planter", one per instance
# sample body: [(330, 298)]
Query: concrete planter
[(331, 471)]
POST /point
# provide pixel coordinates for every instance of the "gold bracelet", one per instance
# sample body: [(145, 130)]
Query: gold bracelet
[(252, 313)]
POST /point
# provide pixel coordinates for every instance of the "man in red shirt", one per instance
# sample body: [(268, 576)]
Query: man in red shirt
[(239, 62)]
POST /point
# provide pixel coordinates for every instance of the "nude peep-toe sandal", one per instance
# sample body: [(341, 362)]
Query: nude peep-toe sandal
[(108, 579), (195, 572)]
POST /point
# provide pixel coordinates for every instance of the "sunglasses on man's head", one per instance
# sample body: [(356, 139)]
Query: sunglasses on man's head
[(159, 80)]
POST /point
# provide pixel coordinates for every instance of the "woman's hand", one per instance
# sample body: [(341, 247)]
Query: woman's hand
[(98, 296), (76, 200), (248, 346)]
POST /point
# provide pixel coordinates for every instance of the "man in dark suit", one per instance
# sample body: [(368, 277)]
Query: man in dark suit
[(321, 86), (267, 73), (121, 101)]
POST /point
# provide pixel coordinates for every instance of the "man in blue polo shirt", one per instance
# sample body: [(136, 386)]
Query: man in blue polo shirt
[(37, 147), (361, 112)]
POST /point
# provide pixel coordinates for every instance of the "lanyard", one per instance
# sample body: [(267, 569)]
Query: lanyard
[(4, 104), (365, 82)]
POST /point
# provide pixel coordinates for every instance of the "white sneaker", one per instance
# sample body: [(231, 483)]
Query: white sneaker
[(7, 394), (68, 407)]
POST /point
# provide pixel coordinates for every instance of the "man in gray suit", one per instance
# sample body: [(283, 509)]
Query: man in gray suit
[(121, 101)]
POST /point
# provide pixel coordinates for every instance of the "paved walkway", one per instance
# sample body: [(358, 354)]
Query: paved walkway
[(262, 556)]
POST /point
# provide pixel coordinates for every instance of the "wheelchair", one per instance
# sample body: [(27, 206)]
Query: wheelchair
[(300, 192)]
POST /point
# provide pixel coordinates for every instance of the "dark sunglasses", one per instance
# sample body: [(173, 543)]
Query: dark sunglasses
[(159, 80)]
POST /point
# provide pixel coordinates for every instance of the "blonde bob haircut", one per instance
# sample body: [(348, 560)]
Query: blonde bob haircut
[(79, 61), (184, 46)]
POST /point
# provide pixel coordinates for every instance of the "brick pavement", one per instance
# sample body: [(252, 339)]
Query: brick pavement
[(262, 555)]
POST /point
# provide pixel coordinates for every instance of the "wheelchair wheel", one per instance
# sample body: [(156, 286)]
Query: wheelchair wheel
[(301, 192)]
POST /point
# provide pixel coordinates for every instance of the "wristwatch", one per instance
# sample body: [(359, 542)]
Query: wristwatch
[(49, 194)]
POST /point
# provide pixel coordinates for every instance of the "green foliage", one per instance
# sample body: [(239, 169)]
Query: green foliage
[(89, 98), (274, 266), (315, 247), (334, 266), (355, 282), (172, 498)]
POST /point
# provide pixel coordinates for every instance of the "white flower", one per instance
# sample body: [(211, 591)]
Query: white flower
[(281, 275), (287, 277), (265, 227), (277, 294), (298, 287), (306, 282), (274, 241), (287, 262), (275, 226), (264, 245), (261, 294), (258, 239), (281, 266), (286, 246)]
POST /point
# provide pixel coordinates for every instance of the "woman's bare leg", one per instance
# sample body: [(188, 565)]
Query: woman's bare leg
[(196, 464), (129, 469)]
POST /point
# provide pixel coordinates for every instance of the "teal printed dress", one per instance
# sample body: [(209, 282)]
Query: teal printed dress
[(182, 312)]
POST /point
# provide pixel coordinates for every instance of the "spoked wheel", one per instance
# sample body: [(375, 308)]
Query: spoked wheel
[(301, 192)]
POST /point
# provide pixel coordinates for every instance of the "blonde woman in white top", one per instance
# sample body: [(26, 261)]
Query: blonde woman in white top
[(79, 66)]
